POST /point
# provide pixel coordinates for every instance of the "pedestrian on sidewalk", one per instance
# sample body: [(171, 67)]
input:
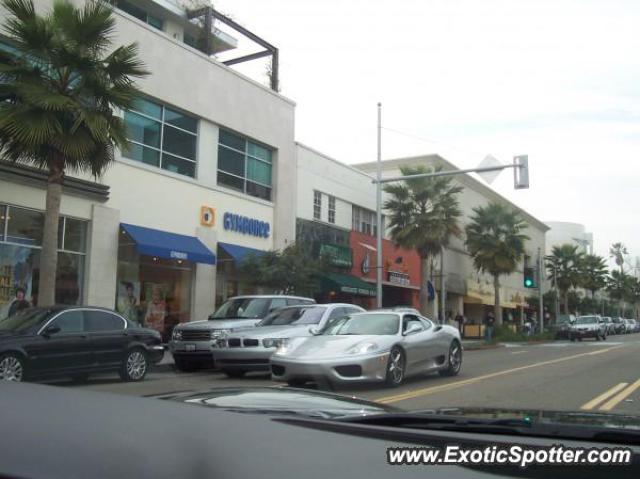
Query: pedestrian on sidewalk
[(489, 322), (460, 321)]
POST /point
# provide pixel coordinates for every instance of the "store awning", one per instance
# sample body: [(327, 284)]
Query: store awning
[(345, 283), (238, 253), (167, 245)]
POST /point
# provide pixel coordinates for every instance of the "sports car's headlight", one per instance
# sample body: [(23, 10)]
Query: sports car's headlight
[(363, 348), (219, 333), (274, 342), (176, 335)]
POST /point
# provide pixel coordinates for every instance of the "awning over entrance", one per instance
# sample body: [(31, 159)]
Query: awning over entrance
[(167, 245), (345, 283), (238, 253)]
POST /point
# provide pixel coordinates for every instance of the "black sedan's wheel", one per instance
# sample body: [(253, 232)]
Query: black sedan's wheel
[(234, 373), (455, 360), (135, 365), (395, 367), (12, 367)]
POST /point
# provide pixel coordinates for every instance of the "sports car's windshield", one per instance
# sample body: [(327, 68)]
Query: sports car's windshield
[(294, 316), (363, 324)]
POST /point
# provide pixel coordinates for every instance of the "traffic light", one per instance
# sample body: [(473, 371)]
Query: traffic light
[(530, 278), (521, 172)]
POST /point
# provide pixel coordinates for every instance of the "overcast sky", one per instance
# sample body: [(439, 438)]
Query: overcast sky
[(558, 80)]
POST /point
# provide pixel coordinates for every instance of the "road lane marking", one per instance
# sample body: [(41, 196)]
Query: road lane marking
[(603, 397), (445, 387), (519, 352), (609, 405)]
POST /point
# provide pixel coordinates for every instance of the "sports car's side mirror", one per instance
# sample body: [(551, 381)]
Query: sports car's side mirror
[(314, 330)]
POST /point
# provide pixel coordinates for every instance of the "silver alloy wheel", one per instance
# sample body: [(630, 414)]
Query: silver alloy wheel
[(11, 369), (396, 366), (455, 357), (136, 365)]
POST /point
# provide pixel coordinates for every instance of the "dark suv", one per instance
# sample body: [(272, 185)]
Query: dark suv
[(75, 341)]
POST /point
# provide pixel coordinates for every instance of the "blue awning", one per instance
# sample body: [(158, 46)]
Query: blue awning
[(238, 253), (163, 244)]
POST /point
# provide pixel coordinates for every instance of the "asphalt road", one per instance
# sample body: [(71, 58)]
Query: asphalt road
[(588, 375)]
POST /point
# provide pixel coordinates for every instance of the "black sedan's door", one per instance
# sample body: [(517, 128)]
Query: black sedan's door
[(62, 346), (107, 336)]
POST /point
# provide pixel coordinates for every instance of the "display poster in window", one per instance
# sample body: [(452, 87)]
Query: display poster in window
[(128, 304), (156, 305), (16, 279)]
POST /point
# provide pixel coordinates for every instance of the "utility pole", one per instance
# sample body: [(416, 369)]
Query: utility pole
[(443, 289), (540, 290), (379, 213)]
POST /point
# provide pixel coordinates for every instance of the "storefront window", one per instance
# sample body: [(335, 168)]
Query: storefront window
[(20, 257), (153, 292)]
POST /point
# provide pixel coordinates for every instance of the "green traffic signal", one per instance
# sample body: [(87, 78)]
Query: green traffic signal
[(529, 278)]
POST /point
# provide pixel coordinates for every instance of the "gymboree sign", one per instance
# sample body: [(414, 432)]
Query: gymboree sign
[(246, 226)]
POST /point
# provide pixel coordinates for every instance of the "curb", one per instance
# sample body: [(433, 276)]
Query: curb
[(480, 347)]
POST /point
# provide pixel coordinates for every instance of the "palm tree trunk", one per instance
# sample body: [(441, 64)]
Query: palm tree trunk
[(425, 273), (497, 309), (49, 253), (565, 301)]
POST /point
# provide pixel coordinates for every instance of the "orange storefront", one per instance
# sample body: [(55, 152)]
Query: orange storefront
[(400, 271)]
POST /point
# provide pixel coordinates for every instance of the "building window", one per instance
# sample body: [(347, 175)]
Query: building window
[(244, 166), (317, 205), (332, 209), (139, 13), (364, 221), (160, 136), (21, 232)]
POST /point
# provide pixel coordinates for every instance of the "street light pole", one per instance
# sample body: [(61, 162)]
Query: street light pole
[(540, 290), (379, 213)]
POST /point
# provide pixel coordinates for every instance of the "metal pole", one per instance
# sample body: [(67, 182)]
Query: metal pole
[(443, 290), (379, 213), (445, 173), (540, 290)]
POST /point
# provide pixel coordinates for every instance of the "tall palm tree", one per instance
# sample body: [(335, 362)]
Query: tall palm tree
[(423, 215), (495, 241), (618, 251), (592, 272), (61, 86), (563, 266), (621, 286)]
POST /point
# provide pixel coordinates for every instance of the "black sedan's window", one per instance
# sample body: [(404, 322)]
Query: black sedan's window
[(70, 322), (96, 321)]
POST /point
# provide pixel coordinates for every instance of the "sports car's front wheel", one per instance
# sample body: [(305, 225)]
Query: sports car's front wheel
[(395, 367), (455, 360)]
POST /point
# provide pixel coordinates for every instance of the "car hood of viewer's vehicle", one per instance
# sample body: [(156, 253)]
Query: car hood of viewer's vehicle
[(261, 332), (587, 419), (212, 324), (330, 347), (280, 399)]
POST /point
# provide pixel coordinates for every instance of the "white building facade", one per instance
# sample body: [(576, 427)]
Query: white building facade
[(208, 176), (564, 232)]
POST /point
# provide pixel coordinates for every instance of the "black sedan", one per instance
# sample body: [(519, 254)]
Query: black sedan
[(75, 341)]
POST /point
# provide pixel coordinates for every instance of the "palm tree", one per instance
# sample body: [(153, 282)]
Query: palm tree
[(621, 286), (563, 267), (61, 84), (495, 241), (618, 252), (423, 214), (592, 272)]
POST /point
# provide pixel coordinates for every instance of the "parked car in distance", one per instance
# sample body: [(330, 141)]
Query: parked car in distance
[(609, 326), (373, 346), (560, 328), (249, 349), (631, 325), (590, 326), (75, 341), (191, 343), (619, 325)]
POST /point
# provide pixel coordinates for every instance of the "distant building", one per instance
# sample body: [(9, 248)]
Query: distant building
[(563, 232)]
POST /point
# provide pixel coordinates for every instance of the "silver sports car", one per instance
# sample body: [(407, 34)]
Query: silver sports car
[(374, 346)]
